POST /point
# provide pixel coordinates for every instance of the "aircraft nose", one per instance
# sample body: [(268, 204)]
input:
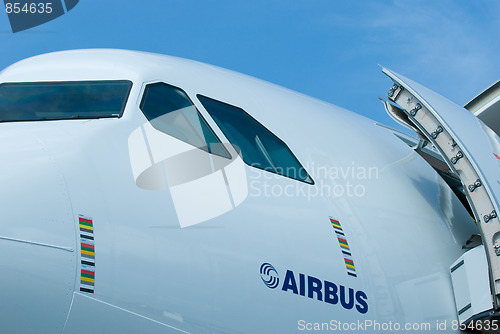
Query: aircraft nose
[(37, 239)]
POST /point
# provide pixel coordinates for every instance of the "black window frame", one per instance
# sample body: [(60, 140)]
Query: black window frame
[(141, 104), (267, 130), (119, 115)]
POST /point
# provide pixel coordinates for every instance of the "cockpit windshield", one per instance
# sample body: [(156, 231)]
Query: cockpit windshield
[(37, 101)]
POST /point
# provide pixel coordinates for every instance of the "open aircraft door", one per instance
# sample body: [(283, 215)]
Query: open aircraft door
[(472, 152)]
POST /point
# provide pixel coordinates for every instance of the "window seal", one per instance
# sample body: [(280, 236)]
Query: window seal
[(264, 152), (141, 104), (118, 116)]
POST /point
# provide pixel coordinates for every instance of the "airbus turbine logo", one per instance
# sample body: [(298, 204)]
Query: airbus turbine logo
[(269, 275)]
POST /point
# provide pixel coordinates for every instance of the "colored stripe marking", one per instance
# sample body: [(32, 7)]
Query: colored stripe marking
[(87, 279), (92, 277), (86, 228), (344, 247), (86, 222), (87, 249), (87, 252), (343, 244), (337, 226), (349, 261), (81, 219), (342, 240)]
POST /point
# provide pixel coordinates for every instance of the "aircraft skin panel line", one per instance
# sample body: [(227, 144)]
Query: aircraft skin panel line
[(154, 208), (87, 307), (34, 243)]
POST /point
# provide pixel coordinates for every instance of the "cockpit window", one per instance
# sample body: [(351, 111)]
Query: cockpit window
[(39, 101), (170, 110), (259, 147)]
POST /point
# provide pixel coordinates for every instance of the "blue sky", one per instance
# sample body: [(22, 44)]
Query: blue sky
[(329, 49)]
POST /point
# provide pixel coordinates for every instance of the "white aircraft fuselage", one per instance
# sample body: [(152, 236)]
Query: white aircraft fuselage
[(97, 235)]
